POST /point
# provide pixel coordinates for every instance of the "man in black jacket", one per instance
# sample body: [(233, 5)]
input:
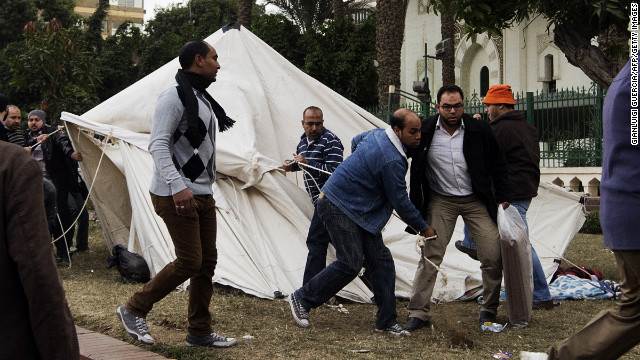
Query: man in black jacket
[(50, 153), (455, 172), (519, 141)]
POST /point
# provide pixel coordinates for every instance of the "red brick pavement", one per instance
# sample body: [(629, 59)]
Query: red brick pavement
[(95, 346)]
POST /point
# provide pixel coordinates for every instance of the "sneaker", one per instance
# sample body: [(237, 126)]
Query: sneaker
[(135, 326), (472, 253), (525, 355), (486, 316), (300, 314), (414, 324), (395, 330), (212, 340)]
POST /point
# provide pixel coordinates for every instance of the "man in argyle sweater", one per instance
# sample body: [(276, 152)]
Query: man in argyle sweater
[(182, 143)]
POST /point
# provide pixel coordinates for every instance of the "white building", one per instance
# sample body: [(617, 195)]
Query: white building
[(523, 57)]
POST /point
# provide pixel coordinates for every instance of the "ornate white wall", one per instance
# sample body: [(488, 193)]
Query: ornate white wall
[(521, 49)]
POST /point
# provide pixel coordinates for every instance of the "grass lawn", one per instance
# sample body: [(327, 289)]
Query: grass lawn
[(94, 292)]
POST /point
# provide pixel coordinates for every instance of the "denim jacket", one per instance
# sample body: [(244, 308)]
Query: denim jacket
[(370, 183)]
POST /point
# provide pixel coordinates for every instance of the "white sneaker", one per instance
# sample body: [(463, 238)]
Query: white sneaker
[(526, 355)]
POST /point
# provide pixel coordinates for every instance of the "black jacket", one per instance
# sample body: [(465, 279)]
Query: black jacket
[(485, 162), (519, 142), (55, 150)]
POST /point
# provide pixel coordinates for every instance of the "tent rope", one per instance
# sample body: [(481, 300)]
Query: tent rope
[(106, 140)]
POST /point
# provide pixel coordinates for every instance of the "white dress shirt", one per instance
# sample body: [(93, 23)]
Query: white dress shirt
[(447, 171)]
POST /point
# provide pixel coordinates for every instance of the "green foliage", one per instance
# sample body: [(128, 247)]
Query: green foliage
[(93, 34), (63, 10), (63, 67), (202, 19), (118, 68), (492, 16), (51, 63), (592, 223), (308, 14), (14, 14), (342, 56), (281, 34)]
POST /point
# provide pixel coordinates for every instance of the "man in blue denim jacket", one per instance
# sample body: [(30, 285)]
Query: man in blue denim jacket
[(356, 203)]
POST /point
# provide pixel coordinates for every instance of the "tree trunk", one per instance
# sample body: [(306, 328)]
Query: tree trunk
[(577, 48), (447, 30), (338, 10), (390, 16), (244, 13)]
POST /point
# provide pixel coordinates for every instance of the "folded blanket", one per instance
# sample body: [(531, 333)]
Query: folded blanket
[(573, 287)]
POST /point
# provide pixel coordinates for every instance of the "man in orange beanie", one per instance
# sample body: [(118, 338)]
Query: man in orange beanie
[(520, 143)]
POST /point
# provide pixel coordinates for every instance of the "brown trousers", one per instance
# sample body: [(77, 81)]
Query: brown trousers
[(194, 239), (443, 214), (612, 332)]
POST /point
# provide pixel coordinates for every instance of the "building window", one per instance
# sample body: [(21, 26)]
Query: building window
[(484, 81), (130, 3), (549, 83)]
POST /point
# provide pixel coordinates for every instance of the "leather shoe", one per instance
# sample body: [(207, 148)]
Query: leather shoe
[(486, 316), (472, 253), (545, 305), (414, 324)]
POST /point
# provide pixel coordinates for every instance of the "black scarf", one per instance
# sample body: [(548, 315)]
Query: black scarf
[(187, 81)]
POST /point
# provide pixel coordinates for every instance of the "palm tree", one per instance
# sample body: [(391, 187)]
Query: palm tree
[(390, 16), (447, 30), (310, 14), (244, 13)]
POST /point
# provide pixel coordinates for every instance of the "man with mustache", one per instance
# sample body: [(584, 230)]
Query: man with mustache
[(454, 172), (321, 149)]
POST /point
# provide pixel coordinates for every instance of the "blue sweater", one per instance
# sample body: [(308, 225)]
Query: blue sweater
[(620, 186), (370, 183), (324, 153)]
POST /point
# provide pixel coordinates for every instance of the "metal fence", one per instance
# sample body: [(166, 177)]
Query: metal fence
[(569, 122)]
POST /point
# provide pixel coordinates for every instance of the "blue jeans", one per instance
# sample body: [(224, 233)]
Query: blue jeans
[(540, 287), (353, 245), (50, 204), (317, 242)]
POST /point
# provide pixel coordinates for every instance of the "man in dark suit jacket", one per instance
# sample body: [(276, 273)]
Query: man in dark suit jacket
[(458, 170), (36, 321)]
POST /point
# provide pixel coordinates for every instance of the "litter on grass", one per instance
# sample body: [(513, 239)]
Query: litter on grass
[(493, 327)]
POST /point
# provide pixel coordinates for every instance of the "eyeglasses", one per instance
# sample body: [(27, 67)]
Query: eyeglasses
[(448, 107)]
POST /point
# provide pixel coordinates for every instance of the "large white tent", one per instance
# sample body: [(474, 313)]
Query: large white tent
[(263, 214)]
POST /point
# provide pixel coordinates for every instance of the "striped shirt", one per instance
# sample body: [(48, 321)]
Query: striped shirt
[(324, 153), (16, 137)]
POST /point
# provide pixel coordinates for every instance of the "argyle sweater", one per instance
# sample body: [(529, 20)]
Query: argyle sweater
[(177, 165), (324, 153)]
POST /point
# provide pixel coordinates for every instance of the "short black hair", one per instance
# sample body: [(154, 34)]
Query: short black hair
[(4, 101), (449, 89), (314, 108), (398, 120), (190, 50)]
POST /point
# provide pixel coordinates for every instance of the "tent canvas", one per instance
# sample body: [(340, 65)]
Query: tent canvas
[(263, 214)]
